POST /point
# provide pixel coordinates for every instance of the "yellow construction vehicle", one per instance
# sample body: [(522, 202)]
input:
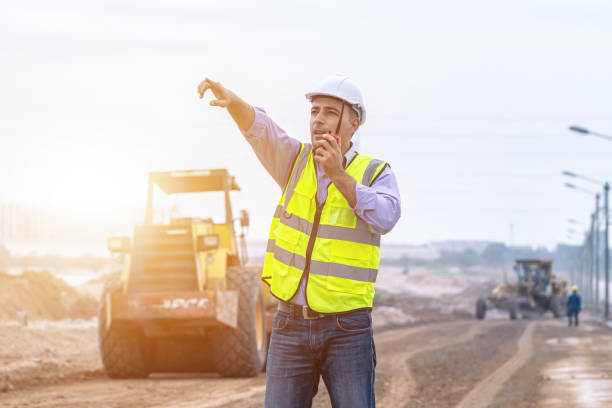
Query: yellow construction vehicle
[(185, 301), (537, 291)]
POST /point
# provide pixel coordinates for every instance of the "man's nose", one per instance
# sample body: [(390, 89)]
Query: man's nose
[(318, 118)]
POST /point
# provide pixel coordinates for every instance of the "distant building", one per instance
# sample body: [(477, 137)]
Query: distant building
[(461, 245), (8, 222), (39, 223)]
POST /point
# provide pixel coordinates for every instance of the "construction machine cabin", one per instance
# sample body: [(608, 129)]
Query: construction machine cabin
[(185, 300)]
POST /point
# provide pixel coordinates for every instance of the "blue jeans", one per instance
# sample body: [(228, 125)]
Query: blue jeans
[(340, 349)]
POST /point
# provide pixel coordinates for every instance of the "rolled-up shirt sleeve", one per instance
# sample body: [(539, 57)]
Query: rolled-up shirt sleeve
[(379, 204), (272, 146)]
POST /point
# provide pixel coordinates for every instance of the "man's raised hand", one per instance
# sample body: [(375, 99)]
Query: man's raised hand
[(224, 96), (242, 113)]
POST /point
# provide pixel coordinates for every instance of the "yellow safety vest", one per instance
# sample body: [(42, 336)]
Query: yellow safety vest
[(337, 250)]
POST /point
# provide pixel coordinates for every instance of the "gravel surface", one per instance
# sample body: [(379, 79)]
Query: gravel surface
[(444, 375), (431, 353)]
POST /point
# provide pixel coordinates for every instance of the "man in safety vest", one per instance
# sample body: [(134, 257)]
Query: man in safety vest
[(323, 250), (573, 306)]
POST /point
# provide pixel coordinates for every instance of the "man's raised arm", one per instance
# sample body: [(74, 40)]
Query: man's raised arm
[(273, 147), (242, 113)]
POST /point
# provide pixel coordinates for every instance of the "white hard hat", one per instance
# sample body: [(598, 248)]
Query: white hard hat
[(341, 87)]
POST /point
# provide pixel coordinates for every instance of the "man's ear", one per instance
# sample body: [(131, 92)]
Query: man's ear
[(355, 124)]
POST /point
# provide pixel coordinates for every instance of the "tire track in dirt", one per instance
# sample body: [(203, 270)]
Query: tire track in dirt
[(484, 392), (224, 400), (387, 344), (186, 390), (402, 385), (394, 348)]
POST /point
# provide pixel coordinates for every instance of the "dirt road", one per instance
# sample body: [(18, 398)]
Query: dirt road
[(464, 363)]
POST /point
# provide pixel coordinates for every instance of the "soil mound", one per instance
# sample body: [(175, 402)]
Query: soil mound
[(42, 296), (94, 287)]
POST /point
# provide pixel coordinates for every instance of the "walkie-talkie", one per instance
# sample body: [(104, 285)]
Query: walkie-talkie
[(336, 134)]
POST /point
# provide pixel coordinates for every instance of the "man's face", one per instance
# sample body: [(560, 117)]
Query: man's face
[(324, 116)]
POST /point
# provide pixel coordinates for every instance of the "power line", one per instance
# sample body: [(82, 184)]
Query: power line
[(483, 134), (507, 209), (493, 118), (505, 153)]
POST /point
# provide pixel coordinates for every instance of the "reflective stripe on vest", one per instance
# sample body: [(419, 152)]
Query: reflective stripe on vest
[(342, 259)]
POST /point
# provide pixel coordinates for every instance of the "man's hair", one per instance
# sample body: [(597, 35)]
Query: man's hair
[(353, 113)]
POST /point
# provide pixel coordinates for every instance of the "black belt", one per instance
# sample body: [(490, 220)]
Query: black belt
[(303, 312)]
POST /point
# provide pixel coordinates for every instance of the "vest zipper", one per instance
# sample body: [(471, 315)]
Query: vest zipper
[(310, 247), (313, 233), (313, 237)]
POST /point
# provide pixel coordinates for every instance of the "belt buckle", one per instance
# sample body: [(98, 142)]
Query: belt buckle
[(305, 314)]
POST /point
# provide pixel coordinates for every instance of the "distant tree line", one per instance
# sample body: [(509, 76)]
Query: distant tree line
[(495, 255), (57, 262)]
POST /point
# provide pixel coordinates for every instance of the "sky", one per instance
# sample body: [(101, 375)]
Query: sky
[(469, 101)]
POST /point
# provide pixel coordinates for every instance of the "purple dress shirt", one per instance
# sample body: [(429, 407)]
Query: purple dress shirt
[(378, 204)]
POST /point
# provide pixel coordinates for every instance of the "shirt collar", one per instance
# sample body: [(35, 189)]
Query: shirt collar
[(350, 154)]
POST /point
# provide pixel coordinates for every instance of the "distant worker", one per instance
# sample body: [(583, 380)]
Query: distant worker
[(323, 250), (573, 306)]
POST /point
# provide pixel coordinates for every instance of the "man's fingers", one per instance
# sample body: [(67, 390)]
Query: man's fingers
[(323, 142), (320, 154), (206, 84), (317, 144), (202, 89), (330, 139)]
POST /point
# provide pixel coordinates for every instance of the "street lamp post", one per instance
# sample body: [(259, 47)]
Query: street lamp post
[(574, 264), (584, 269), (582, 130), (607, 250), (585, 131), (596, 245), (585, 277), (606, 188), (591, 261)]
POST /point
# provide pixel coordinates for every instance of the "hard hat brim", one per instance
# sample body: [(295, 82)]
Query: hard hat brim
[(360, 112)]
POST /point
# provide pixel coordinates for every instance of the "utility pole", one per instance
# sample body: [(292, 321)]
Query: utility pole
[(607, 251), (606, 187), (585, 271), (581, 272), (596, 244), (591, 256)]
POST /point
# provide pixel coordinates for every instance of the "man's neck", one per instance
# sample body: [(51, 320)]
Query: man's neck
[(348, 147)]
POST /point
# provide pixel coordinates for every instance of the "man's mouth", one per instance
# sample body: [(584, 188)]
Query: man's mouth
[(320, 131)]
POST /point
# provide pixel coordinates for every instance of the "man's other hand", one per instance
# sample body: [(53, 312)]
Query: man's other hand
[(327, 152), (224, 96)]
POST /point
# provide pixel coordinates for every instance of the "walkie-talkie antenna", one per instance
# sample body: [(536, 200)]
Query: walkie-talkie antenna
[(340, 120)]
